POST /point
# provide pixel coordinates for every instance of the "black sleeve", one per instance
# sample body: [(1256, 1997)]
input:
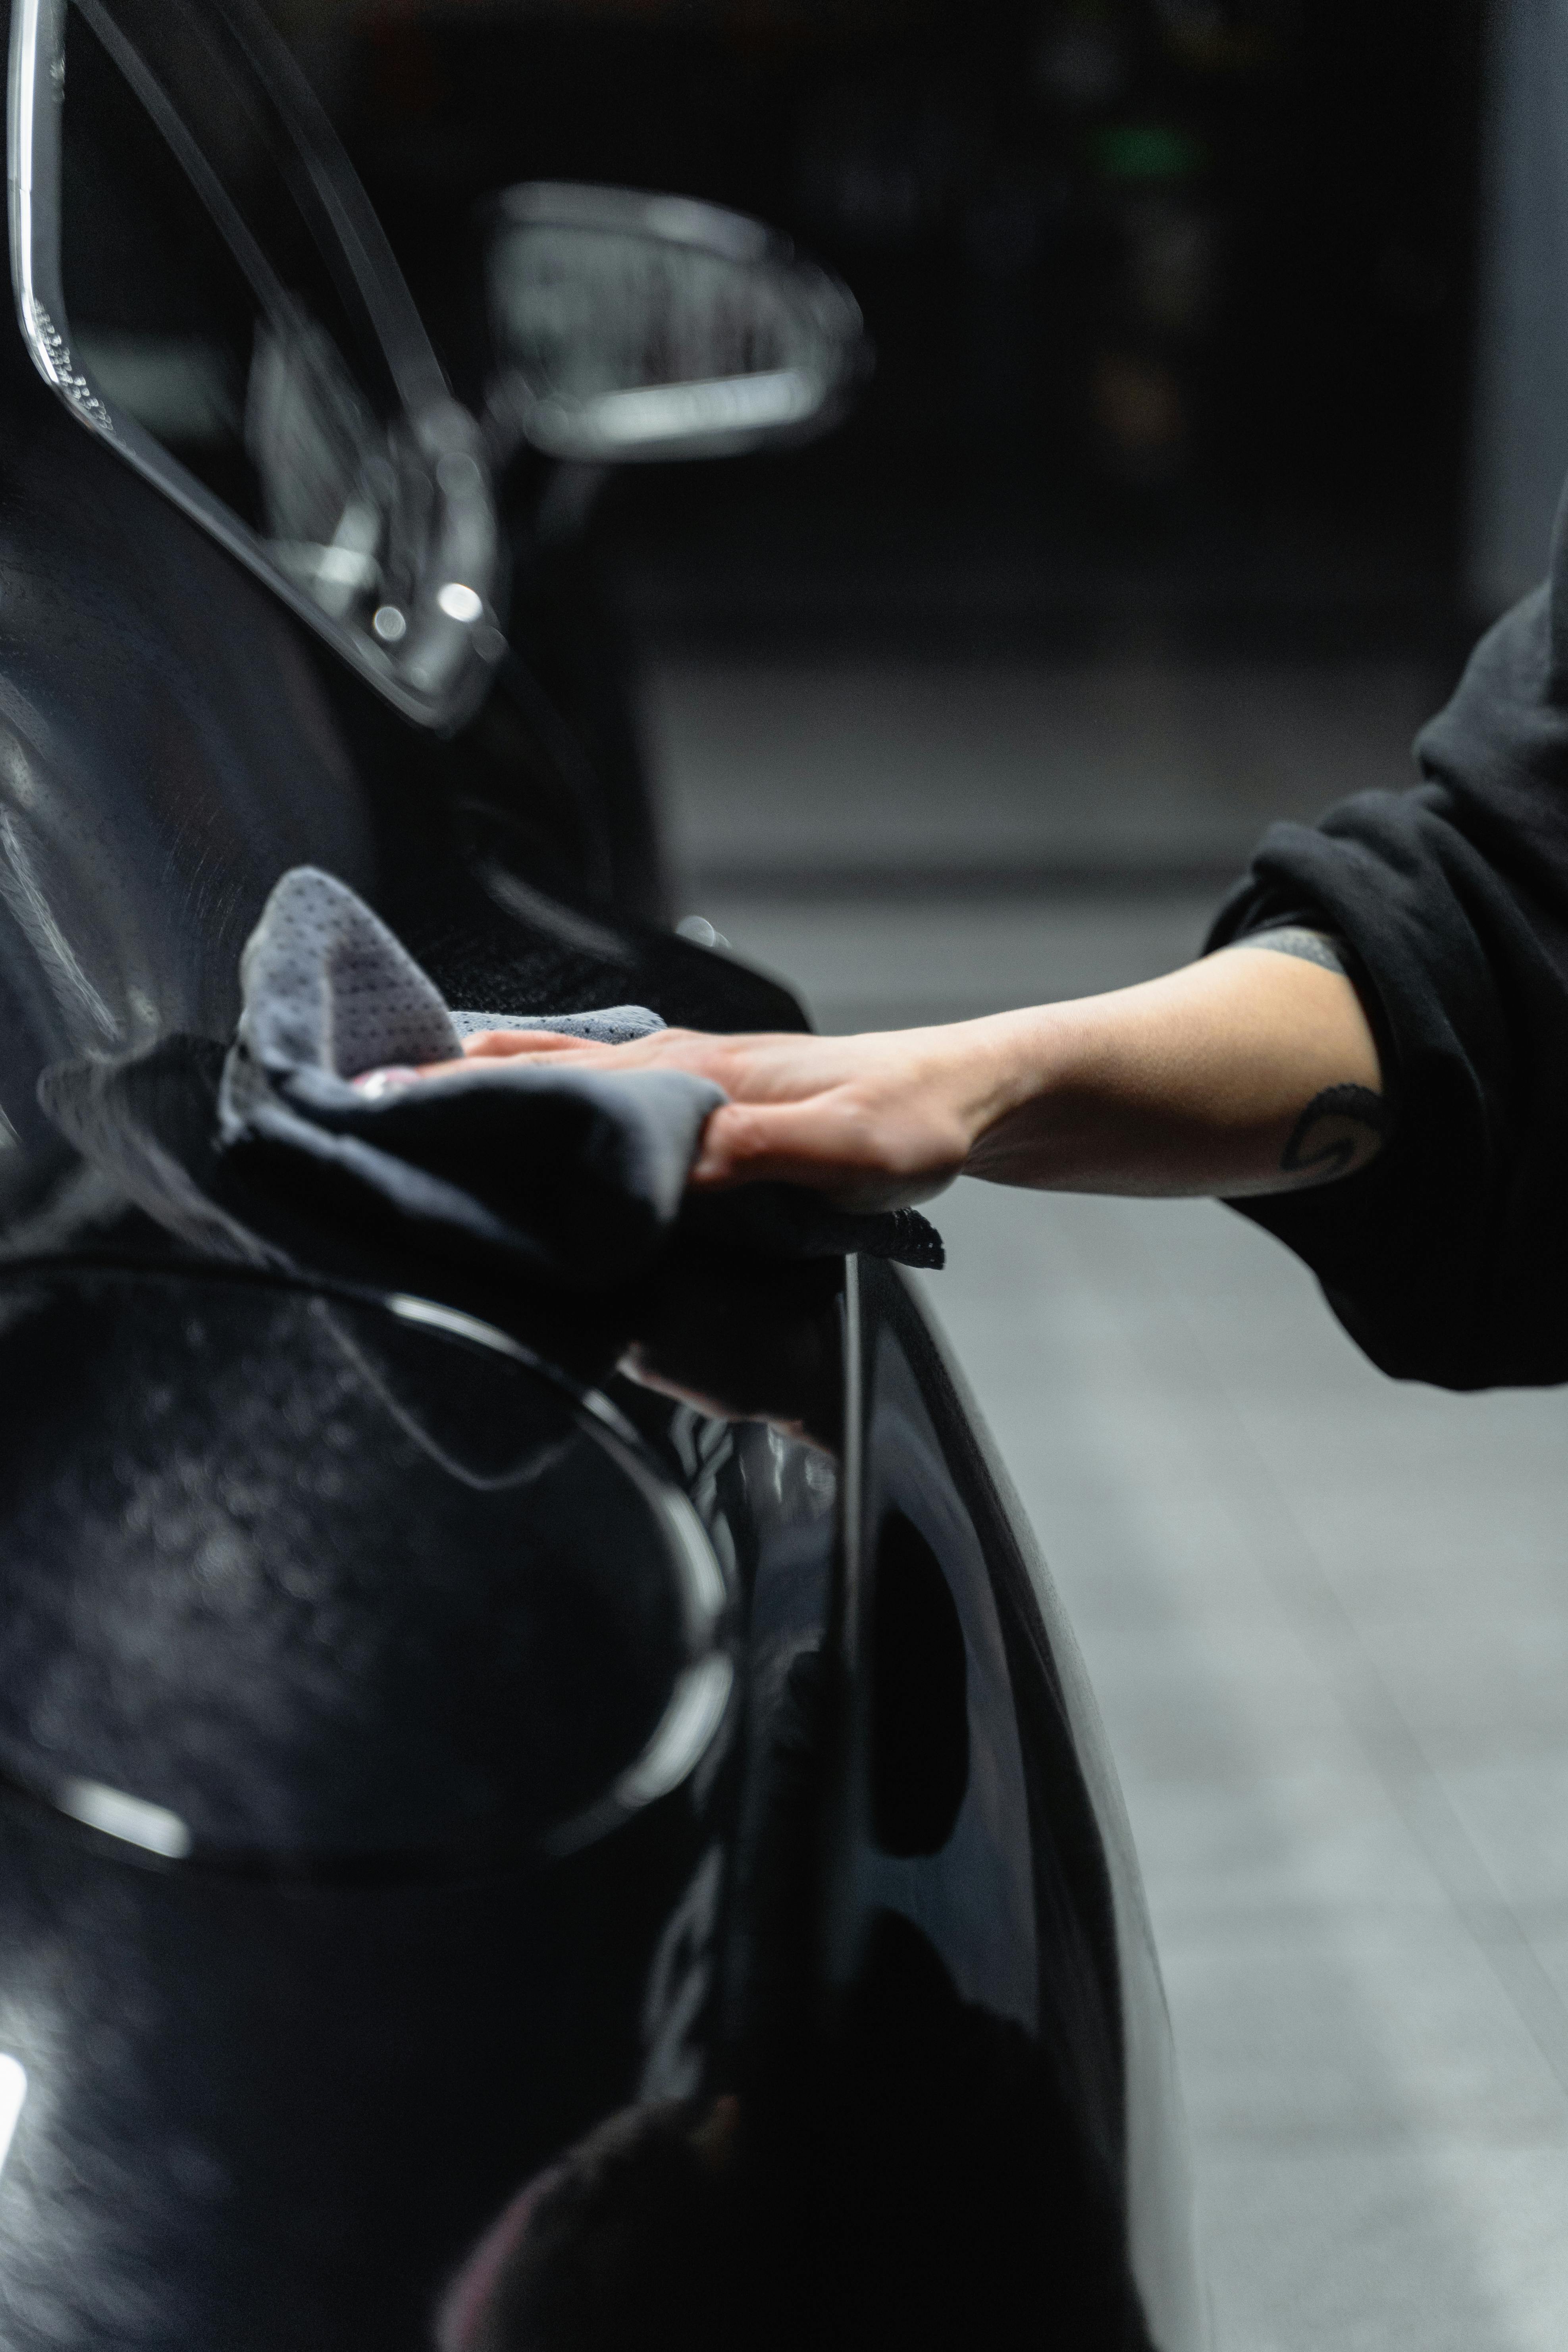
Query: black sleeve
[(1447, 1259)]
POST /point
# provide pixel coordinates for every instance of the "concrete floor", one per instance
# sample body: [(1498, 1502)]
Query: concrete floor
[(1327, 1616)]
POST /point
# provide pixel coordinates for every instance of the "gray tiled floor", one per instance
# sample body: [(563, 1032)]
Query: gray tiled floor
[(1327, 1619)]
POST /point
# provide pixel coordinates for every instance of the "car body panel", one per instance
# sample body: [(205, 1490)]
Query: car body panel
[(382, 1804)]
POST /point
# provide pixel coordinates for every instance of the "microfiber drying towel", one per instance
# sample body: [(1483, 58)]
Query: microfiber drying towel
[(575, 1176)]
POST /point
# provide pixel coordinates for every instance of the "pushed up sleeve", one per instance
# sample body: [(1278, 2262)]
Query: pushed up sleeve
[(1447, 1257)]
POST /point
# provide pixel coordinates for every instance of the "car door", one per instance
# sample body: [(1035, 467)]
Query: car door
[(978, 1805)]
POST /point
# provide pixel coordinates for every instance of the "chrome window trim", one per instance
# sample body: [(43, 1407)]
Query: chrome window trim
[(441, 667)]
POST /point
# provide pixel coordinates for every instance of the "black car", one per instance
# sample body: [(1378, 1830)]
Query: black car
[(459, 1731)]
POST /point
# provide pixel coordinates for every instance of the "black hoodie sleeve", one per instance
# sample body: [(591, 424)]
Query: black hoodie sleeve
[(1447, 1259)]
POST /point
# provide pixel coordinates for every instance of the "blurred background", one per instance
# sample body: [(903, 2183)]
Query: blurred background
[(1221, 396)]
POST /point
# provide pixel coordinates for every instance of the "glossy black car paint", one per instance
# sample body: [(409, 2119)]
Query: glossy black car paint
[(355, 1592)]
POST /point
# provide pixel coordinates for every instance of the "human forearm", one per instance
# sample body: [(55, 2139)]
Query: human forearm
[(1249, 1072)]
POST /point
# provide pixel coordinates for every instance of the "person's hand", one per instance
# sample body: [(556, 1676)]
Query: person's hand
[(874, 1122), (1251, 1071)]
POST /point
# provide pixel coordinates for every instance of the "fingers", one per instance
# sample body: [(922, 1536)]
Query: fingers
[(762, 1067), (670, 1048), (849, 1119), (819, 1144), (511, 1044), (681, 1049), (744, 1141), (501, 1045)]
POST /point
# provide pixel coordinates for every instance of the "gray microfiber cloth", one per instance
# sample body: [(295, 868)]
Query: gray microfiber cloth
[(572, 1175)]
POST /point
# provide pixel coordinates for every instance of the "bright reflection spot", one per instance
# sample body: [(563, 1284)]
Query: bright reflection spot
[(13, 2091), (390, 624), (118, 1815), (458, 476), (671, 413), (683, 1738), (700, 931), (458, 603), (344, 567)]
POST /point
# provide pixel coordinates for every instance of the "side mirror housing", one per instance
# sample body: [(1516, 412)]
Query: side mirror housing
[(629, 326)]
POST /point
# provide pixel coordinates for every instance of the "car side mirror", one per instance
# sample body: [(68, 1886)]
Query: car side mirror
[(629, 326)]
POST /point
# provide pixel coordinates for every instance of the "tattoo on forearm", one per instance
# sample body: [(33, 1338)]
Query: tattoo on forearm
[(1296, 940), (1340, 1130)]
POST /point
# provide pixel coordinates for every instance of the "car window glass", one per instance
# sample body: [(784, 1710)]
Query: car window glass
[(202, 305)]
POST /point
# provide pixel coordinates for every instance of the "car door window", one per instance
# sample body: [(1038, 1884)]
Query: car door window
[(216, 325), (199, 276)]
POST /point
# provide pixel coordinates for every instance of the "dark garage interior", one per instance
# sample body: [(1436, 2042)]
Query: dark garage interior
[(1172, 304)]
